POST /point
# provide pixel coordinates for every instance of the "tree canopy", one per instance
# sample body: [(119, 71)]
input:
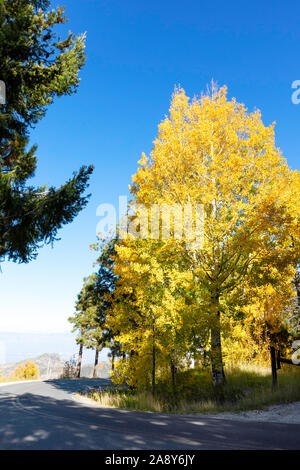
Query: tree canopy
[(212, 152)]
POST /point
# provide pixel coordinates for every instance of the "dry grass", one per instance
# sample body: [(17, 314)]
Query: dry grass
[(247, 388), (142, 401), (13, 378)]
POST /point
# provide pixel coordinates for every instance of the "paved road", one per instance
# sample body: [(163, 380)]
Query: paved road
[(44, 415)]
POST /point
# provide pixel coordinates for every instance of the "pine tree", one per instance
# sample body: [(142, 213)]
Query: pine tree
[(92, 305), (36, 66)]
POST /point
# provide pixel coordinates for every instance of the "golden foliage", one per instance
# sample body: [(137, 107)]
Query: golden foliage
[(170, 295), (26, 371)]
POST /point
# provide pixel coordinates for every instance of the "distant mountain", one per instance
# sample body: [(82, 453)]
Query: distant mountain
[(51, 366)]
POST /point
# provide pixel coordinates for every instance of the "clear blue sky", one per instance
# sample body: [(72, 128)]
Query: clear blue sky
[(137, 51)]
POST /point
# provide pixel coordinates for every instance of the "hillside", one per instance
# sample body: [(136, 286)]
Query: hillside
[(51, 366)]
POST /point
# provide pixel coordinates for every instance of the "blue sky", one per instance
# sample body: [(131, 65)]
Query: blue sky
[(137, 51)]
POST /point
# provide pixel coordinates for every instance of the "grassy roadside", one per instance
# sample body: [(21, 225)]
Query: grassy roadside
[(6, 380), (15, 378), (248, 388)]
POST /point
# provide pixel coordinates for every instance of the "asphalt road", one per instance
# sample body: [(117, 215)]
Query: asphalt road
[(44, 415)]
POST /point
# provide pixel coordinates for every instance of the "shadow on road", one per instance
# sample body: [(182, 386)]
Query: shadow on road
[(79, 385), (39, 421)]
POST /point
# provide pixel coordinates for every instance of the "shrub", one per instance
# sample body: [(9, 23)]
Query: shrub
[(27, 371), (69, 370)]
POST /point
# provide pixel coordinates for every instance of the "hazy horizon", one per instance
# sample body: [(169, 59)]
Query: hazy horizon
[(17, 346)]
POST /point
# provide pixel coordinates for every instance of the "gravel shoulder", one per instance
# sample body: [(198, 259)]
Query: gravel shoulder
[(288, 413)]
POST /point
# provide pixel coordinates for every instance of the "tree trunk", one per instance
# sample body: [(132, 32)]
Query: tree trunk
[(218, 375), (274, 368), (297, 286), (298, 301), (173, 374), (153, 367), (78, 368), (113, 361), (96, 362)]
